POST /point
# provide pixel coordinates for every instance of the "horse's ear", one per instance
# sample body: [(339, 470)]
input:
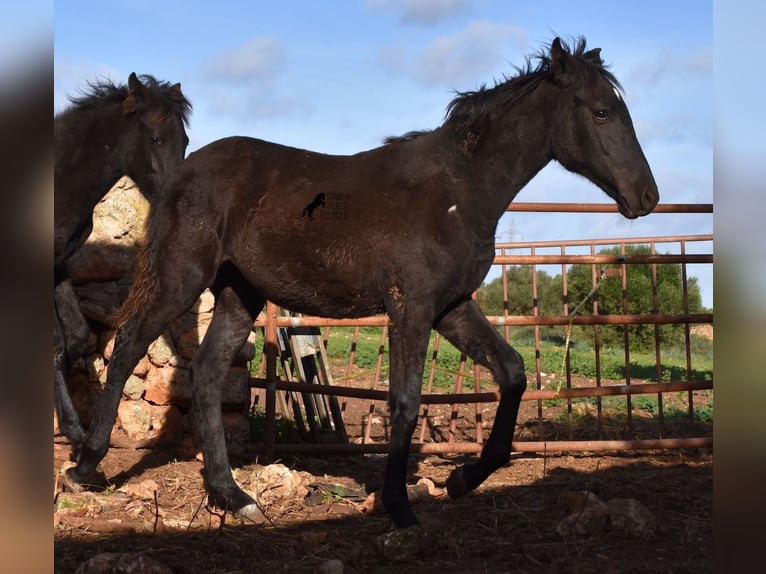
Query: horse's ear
[(136, 92), (176, 89), (559, 59), (594, 56)]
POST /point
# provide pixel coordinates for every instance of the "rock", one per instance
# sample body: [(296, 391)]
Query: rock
[(145, 490), (167, 424), (163, 352), (205, 303), (589, 514), (94, 365), (118, 226), (403, 544), (135, 418), (191, 338), (168, 385), (333, 566), (122, 563), (134, 388), (631, 518), (276, 481)]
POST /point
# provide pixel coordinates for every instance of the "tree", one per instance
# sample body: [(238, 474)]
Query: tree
[(639, 297), (520, 299)]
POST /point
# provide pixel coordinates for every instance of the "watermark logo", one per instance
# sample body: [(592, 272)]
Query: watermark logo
[(328, 206)]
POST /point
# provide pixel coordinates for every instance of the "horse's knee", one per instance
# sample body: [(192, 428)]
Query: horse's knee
[(512, 376), (404, 414)]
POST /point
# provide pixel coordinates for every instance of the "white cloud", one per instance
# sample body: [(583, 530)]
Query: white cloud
[(242, 83), (257, 62), (481, 48), (424, 12), (249, 106)]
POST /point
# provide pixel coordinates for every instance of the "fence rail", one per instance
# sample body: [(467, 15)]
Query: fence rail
[(271, 321)]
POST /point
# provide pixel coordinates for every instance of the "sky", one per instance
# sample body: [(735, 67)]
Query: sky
[(338, 77)]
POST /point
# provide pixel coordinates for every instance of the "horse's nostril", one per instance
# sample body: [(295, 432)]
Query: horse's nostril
[(650, 198)]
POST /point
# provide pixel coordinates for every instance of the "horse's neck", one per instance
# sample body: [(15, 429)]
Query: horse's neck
[(510, 154)]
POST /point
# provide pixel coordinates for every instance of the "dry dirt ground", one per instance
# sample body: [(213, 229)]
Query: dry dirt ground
[(155, 504)]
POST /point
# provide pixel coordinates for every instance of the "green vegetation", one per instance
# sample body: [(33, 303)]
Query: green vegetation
[(639, 297), (582, 359)]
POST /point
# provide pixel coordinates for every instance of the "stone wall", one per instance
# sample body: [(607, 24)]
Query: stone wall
[(157, 397)]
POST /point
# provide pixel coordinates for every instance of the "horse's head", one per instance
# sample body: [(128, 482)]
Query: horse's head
[(156, 114), (594, 134)]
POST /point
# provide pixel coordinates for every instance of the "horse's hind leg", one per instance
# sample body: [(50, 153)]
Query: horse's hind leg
[(165, 299), (236, 306), (466, 327), (70, 335)]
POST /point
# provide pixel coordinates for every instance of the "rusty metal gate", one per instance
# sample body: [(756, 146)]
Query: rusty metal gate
[(539, 391)]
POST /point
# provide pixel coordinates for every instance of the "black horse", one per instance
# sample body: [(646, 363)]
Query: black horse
[(108, 132), (418, 239)]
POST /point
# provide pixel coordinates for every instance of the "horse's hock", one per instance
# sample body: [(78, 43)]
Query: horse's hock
[(157, 397)]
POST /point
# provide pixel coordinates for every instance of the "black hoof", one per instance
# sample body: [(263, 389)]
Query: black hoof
[(73, 483), (456, 484)]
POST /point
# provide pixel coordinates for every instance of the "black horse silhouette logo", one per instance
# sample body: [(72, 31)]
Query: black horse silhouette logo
[(309, 209)]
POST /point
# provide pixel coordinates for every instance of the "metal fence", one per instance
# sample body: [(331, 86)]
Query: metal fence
[(597, 428)]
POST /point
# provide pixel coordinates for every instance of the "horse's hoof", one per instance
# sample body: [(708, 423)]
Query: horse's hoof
[(68, 482), (456, 484), (253, 513)]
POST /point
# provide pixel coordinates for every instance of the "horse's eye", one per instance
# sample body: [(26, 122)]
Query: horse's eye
[(156, 140), (601, 115)]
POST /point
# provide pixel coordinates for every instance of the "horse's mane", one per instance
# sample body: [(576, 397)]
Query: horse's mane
[(471, 110), (105, 92), (469, 113)]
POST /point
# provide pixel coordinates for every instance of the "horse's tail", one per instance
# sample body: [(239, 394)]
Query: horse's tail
[(143, 284)]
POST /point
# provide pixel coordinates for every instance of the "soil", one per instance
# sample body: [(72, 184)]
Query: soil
[(506, 525)]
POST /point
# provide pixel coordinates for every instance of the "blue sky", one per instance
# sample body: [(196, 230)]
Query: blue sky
[(338, 77)]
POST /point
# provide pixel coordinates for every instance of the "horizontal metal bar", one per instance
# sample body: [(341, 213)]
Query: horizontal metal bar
[(606, 207), (603, 259), (654, 319), (610, 241), (475, 448), (499, 320), (490, 396)]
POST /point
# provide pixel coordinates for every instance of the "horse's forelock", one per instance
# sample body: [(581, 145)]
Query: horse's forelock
[(164, 94)]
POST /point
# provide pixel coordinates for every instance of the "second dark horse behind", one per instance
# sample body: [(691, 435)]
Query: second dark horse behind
[(415, 240), (108, 132)]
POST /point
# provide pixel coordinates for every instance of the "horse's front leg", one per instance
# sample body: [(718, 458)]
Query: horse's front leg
[(408, 341), (467, 328)]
